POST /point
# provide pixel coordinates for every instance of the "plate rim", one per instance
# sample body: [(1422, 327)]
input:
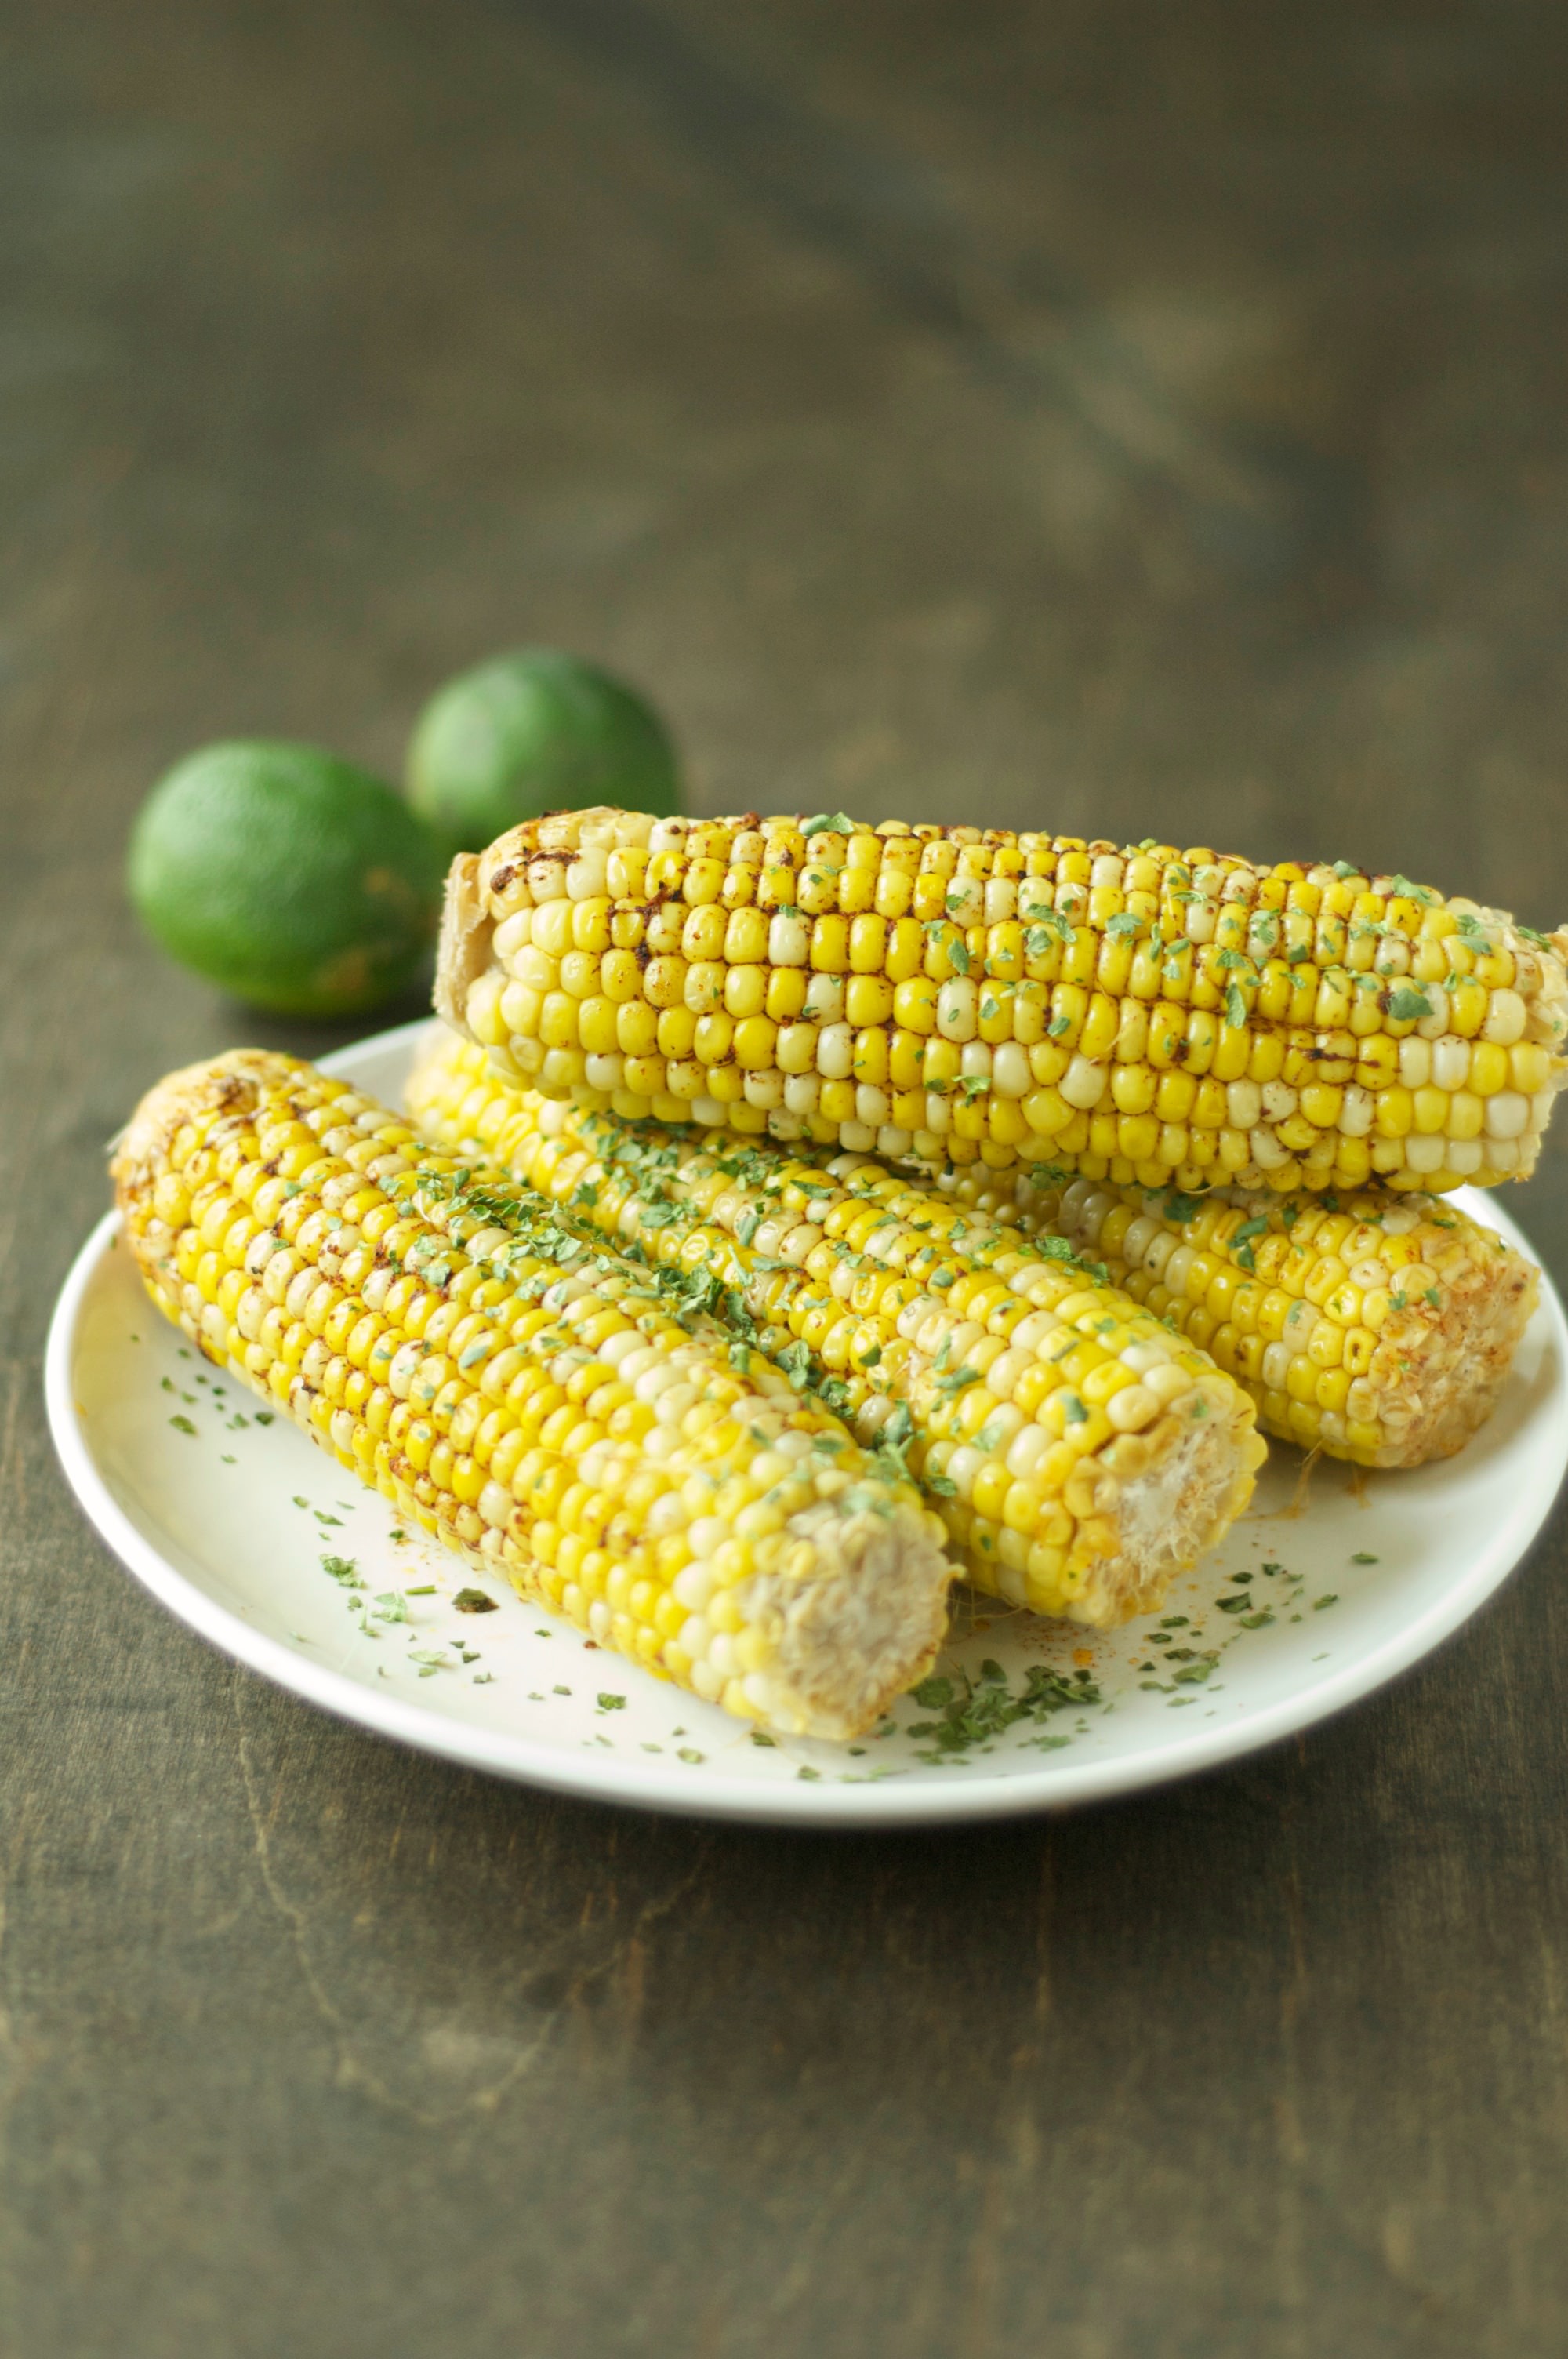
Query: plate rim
[(928, 1802)]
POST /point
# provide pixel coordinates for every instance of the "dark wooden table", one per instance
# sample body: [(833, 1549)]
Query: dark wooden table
[(1145, 420)]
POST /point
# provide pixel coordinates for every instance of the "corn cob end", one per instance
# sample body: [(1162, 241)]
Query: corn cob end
[(1376, 1327)]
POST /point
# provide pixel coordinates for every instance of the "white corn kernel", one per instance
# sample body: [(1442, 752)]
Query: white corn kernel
[(1356, 1113), (1415, 1062), (512, 935), (835, 1052), (789, 941), (1506, 1019), (957, 1008), (585, 875), (1084, 1084)]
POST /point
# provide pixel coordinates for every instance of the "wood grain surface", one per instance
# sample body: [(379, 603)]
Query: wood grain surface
[(1137, 419)]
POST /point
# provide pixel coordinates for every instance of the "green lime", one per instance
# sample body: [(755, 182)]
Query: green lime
[(289, 877), (530, 733)]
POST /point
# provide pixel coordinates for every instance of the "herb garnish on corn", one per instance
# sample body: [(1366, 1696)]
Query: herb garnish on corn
[(1080, 1454), (522, 1392), (954, 995), (1376, 1327)]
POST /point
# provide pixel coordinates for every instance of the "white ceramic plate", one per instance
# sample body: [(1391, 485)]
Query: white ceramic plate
[(227, 1521)]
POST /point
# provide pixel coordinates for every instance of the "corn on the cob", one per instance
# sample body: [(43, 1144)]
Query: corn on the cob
[(1377, 1328), (1077, 1453), (954, 995), (520, 1391)]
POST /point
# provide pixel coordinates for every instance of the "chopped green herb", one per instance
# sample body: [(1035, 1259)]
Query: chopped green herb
[(1242, 1242), (182, 1425), (974, 1713), (1363, 1556), (472, 1601)]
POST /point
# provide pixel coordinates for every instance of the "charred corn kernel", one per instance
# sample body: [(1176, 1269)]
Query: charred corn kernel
[(978, 1353), (1402, 1293), (618, 1453), (1314, 981)]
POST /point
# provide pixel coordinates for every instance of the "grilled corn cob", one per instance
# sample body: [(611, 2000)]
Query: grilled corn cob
[(1377, 1328), (949, 996), (1077, 1454), (520, 1391)]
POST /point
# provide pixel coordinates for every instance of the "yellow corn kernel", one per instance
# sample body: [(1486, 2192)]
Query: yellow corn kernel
[(868, 999)]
